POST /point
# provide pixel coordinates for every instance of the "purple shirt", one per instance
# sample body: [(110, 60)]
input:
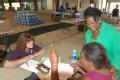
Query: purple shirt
[(17, 54), (93, 75)]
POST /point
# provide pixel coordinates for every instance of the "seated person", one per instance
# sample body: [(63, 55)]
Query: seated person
[(3, 52), (26, 49), (92, 59)]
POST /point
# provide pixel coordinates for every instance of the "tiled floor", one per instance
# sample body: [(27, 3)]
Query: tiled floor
[(64, 47)]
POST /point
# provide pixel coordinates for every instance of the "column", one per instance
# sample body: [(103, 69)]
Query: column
[(108, 9), (60, 2), (3, 4), (101, 4), (10, 4), (57, 4), (20, 2), (53, 5), (78, 5), (106, 6), (36, 5)]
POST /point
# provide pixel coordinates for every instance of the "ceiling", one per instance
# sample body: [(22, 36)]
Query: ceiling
[(114, 0), (63, 0)]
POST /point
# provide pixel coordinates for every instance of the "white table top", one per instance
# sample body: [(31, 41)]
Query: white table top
[(20, 74)]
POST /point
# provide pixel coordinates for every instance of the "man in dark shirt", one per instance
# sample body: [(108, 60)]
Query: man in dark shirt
[(115, 12)]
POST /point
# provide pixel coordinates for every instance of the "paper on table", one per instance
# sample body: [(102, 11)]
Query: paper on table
[(47, 63), (61, 66), (64, 67), (30, 66)]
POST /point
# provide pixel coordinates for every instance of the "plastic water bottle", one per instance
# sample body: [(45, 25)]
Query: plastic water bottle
[(74, 57)]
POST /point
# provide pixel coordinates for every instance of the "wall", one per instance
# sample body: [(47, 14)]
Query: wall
[(114, 0), (49, 4), (97, 3), (39, 4), (84, 4), (72, 3)]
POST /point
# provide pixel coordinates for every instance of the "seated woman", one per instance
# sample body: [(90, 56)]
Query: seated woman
[(26, 49), (93, 59)]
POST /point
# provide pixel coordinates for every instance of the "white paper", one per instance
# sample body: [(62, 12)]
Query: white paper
[(30, 66), (61, 66), (47, 63), (64, 67)]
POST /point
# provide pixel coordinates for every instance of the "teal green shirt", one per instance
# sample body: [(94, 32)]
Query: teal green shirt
[(109, 37)]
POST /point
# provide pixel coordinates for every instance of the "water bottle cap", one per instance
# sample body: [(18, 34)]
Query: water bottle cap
[(74, 50)]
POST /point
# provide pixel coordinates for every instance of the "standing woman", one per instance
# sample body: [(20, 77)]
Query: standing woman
[(26, 49), (106, 34)]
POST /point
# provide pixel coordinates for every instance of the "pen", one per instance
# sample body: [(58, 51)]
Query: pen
[(27, 64)]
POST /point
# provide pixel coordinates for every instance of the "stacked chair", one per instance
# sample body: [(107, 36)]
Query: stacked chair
[(28, 18)]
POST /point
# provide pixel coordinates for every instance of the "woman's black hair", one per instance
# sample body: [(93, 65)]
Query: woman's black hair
[(96, 53), (94, 12)]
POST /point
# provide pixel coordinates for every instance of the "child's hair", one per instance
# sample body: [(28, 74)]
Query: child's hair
[(22, 40)]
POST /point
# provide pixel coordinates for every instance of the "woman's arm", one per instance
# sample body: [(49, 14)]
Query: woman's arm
[(17, 62), (54, 72), (54, 64)]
